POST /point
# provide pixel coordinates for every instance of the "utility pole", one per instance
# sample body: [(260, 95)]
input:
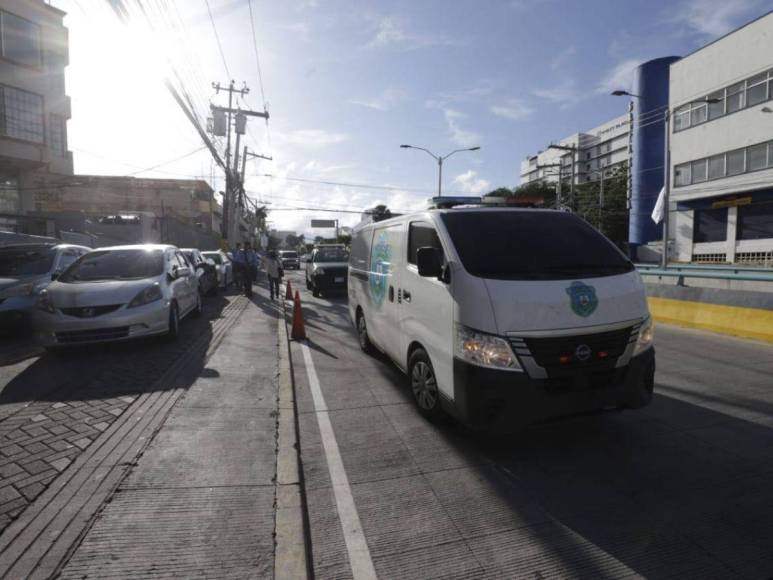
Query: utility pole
[(230, 206), (573, 150)]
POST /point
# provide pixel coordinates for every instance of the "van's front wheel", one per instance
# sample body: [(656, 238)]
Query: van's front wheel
[(424, 386)]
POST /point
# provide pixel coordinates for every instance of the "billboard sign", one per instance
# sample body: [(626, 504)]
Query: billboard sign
[(323, 223)]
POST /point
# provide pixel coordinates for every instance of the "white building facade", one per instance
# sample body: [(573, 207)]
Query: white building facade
[(34, 108), (595, 151), (721, 206)]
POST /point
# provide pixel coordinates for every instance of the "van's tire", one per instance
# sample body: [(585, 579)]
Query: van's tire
[(308, 284), (642, 394), (174, 323), (315, 291), (421, 377), (362, 335)]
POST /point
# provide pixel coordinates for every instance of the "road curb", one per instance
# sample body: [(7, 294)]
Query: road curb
[(292, 557)]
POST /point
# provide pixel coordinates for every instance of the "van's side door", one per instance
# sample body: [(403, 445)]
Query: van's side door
[(386, 262), (426, 308)]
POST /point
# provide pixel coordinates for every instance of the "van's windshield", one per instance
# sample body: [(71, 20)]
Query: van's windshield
[(531, 245)]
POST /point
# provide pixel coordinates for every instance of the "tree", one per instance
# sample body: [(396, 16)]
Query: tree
[(379, 213), (612, 218), (500, 192), (293, 242)]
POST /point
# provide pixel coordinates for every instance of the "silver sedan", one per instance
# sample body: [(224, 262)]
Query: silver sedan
[(118, 293)]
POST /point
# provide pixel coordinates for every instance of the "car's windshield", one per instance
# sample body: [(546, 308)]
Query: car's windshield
[(214, 256), (289, 254), (532, 245), (115, 265), (332, 255), (28, 261)]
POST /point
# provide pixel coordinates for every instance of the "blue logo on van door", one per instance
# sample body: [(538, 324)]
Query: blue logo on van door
[(582, 299), (380, 265)]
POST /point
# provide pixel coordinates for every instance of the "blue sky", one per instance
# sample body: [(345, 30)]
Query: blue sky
[(348, 81)]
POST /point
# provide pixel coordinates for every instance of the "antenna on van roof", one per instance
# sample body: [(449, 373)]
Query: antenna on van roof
[(446, 202)]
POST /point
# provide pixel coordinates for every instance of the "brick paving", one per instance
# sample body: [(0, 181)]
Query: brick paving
[(81, 399)]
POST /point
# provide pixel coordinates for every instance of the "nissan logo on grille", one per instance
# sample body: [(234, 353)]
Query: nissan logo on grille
[(582, 352)]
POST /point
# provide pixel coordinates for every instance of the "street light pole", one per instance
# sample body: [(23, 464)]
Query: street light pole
[(439, 159)]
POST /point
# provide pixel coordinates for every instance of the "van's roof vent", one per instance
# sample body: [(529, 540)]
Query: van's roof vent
[(446, 202)]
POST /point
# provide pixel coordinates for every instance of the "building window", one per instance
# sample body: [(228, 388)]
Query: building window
[(20, 39), (757, 90), (22, 115), (757, 157), (682, 174), (717, 109), (717, 166), (699, 170), (736, 162), (57, 140), (682, 118), (9, 195), (698, 114), (735, 97), (755, 221), (710, 225)]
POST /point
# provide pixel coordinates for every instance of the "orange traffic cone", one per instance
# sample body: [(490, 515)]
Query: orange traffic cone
[(289, 293), (299, 330)]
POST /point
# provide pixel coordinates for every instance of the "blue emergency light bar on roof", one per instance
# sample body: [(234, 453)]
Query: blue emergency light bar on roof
[(446, 202)]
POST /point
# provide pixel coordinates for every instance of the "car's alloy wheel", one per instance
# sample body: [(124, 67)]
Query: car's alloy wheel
[(362, 335), (174, 323), (424, 386)]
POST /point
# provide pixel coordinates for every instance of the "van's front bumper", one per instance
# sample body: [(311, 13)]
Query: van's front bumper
[(501, 400)]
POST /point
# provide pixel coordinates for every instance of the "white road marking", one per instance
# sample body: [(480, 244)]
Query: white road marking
[(356, 545)]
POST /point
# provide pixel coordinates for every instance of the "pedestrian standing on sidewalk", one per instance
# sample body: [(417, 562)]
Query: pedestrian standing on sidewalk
[(239, 265), (251, 268), (273, 271)]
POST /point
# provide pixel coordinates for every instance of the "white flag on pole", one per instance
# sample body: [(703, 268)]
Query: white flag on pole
[(657, 211)]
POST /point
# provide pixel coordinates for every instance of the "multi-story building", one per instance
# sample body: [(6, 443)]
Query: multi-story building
[(721, 97), (34, 108), (595, 151)]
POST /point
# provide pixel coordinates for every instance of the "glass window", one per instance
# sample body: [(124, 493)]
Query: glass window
[(331, 255), (421, 236), (717, 109), (735, 162), (710, 225), (520, 245), (56, 137), (360, 249), (699, 170), (757, 90), (770, 154), (717, 166), (22, 115), (698, 114), (682, 174), (757, 157), (755, 221), (26, 261), (115, 265), (682, 118), (68, 257), (735, 97), (20, 39), (9, 195)]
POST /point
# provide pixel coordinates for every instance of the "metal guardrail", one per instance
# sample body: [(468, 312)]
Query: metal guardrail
[(706, 274), (705, 268)]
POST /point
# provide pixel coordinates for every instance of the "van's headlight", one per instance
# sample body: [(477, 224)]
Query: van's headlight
[(646, 336), (319, 271), (44, 302), (484, 350), (146, 296)]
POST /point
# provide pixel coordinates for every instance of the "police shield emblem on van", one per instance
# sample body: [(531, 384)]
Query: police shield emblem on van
[(582, 299)]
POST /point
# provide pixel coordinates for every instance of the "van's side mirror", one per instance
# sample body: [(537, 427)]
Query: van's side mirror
[(430, 262)]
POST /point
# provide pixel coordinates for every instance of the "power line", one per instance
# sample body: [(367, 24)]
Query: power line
[(257, 56), (359, 185), (217, 37)]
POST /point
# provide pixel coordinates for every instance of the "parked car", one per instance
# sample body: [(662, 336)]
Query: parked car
[(223, 267), (25, 270), (289, 260), (118, 293), (503, 317), (327, 269), (206, 271)]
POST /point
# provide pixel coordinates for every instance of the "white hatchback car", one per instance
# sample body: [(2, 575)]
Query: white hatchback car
[(118, 293)]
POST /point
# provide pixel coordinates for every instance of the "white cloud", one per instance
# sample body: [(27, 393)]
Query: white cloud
[(565, 94), (306, 4), (391, 31), (313, 138), (711, 18), (460, 136), (512, 109), (619, 76), (383, 102), (318, 167), (469, 182), (563, 57), (302, 29)]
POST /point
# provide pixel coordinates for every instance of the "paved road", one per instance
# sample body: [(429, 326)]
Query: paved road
[(682, 489)]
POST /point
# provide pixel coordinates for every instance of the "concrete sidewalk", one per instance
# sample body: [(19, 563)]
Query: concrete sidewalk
[(200, 502)]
